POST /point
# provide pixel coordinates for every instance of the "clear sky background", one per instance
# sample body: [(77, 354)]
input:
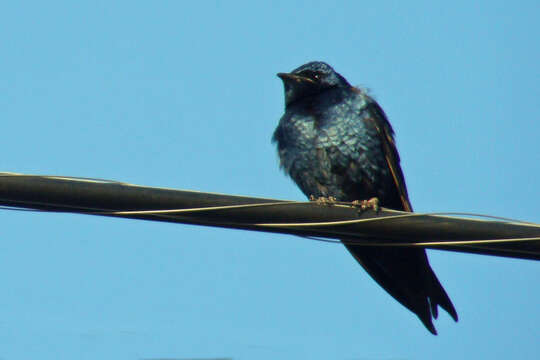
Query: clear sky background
[(184, 95)]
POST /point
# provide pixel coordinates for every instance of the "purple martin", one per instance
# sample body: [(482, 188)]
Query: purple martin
[(335, 141)]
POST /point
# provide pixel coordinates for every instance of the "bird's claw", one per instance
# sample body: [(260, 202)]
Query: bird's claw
[(363, 205), (321, 200)]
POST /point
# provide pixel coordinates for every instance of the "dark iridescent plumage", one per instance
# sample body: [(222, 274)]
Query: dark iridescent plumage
[(335, 140)]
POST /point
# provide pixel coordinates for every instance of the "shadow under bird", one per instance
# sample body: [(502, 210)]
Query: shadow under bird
[(335, 141)]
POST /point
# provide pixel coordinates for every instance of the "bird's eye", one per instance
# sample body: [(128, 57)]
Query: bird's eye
[(311, 74)]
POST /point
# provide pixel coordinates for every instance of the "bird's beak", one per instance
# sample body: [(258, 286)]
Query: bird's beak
[(288, 77)]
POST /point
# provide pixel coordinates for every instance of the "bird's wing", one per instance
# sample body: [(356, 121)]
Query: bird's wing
[(386, 135), (404, 272)]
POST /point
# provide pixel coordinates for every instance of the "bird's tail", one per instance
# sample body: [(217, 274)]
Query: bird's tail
[(407, 276)]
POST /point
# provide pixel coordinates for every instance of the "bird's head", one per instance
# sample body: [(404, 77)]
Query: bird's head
[(310, 79)]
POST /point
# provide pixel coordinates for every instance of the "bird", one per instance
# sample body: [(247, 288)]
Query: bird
[(335, 142)]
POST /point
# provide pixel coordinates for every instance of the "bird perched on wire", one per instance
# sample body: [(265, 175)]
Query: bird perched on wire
[(336, 142)]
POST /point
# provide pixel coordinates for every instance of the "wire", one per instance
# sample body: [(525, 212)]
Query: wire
[(280, 203), (299, 225), (209, 208), (374, 242)]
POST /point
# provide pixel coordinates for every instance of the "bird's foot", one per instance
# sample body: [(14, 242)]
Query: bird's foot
[(363, 205), (321, 200)]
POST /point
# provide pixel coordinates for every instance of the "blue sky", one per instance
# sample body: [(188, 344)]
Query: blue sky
[(185, 96)]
